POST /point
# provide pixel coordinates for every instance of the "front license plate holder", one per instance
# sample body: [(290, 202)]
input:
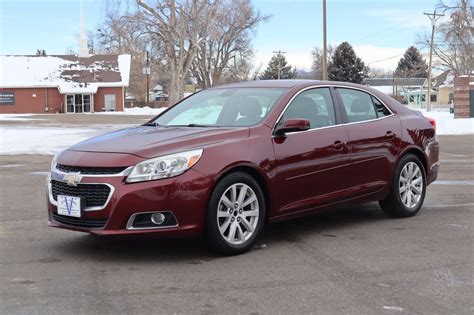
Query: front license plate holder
[(70, 206)]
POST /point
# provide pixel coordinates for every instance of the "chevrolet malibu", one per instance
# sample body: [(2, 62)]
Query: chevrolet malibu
[(227, 160)]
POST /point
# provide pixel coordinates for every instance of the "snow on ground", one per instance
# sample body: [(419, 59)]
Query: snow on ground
[(136, 111), (145, 111), (46, 140), (16, 117), (447, 125)]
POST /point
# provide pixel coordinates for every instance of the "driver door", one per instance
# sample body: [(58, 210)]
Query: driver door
[(311, 164)]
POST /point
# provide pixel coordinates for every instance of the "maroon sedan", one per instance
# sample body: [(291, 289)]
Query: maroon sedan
[(228, 159)]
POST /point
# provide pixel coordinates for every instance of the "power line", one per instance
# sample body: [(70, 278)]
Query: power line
[(279, 52), (370, 63)]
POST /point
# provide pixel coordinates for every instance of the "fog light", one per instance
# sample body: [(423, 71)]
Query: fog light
[(158, 218)]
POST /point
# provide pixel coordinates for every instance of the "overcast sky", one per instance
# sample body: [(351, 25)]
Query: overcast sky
[(378, 29)]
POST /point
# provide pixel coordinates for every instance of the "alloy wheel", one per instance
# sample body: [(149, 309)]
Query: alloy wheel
[(238, 213), (411, 185)]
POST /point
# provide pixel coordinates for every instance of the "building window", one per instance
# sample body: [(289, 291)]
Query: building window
[(109, 102), (434, 97), (451, 97), (78, 103), (69, 103)]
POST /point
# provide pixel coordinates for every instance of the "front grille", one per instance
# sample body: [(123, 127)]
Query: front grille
[(79, 222), (95, 195), (90, 170)]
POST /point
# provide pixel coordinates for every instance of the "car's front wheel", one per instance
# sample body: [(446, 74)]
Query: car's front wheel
[(408, 188), (235, 214)]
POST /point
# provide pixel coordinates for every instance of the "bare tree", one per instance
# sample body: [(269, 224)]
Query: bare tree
[(122, 34), (454, 39), (180, 26), (379, 73), (318, 61), (225, 54)]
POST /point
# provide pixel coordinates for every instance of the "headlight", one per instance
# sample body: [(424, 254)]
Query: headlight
[(164, 166), (53, 161)]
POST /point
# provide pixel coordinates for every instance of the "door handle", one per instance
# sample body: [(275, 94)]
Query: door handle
[(338, 145), (390, 134)]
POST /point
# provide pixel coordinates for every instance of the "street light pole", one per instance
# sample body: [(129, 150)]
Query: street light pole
[(325, 48), (433, 18)]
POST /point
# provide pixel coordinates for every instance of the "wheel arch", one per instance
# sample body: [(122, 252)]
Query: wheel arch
[(409, 150), (256, 174), (418, 153)]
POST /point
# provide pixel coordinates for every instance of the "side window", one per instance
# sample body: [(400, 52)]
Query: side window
[(314, 105), (358, 105), (382, 111)]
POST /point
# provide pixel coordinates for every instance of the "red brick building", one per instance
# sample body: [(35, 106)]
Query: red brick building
[(463, 97), (65, 84)]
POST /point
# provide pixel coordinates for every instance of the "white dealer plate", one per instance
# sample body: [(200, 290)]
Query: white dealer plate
[(70, 206)]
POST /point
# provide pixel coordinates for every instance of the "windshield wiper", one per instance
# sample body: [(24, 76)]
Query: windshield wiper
[(199, 125), (154, 124), (194, 125)]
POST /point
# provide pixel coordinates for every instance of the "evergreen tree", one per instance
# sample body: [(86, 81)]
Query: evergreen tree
[(345, 65), (412, 65), (278, 61)]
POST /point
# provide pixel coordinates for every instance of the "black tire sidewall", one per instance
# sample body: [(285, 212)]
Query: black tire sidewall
[(212, 230)]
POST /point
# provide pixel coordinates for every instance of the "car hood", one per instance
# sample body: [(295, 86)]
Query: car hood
[(150, 141)]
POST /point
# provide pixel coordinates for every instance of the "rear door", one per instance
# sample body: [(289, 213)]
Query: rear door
[(374, 141), (311, 164)]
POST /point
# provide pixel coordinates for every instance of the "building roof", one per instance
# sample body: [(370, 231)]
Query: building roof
[(398, 81), (444, 79), (70, 74)]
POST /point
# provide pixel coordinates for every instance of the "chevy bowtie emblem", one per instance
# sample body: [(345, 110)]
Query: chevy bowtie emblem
[(72, 179)]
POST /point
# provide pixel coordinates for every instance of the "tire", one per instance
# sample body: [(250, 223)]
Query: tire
[(226, 212), (408, 188)]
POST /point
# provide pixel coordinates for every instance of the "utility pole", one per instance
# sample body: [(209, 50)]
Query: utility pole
[(325, 45), (146, 71), (433, 18), (279, 60)]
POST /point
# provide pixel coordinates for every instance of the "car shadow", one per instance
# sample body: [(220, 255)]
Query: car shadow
[(195, 251)]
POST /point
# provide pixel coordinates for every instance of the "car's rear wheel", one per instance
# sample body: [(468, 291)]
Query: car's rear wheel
[(235, 214), (408, 188)]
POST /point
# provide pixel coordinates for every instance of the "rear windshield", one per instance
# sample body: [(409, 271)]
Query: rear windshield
[(231, 107)]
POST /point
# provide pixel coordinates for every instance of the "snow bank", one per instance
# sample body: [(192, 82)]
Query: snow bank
[(447, 125), (46, 140)]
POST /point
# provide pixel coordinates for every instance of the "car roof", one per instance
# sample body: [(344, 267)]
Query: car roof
[(300, 84), (284, 84)]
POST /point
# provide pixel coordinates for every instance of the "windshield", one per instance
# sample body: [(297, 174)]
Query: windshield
[(231, 107)]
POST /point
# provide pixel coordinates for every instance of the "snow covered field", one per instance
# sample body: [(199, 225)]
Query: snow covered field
[(447, 125), (46, 140), (24, 138)]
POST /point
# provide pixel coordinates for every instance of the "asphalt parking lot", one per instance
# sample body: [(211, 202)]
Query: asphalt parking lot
[(353, 260)]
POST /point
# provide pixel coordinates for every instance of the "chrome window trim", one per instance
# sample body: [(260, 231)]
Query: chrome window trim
[(130, 221), (123, 173), (95, 208), (332, 126)]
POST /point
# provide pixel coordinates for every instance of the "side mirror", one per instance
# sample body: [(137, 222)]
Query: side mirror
[(293, 125)]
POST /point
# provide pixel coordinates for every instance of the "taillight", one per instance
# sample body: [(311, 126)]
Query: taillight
[(432, 122)]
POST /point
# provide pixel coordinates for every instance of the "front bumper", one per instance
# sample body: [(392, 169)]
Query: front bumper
[(186, 196)]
